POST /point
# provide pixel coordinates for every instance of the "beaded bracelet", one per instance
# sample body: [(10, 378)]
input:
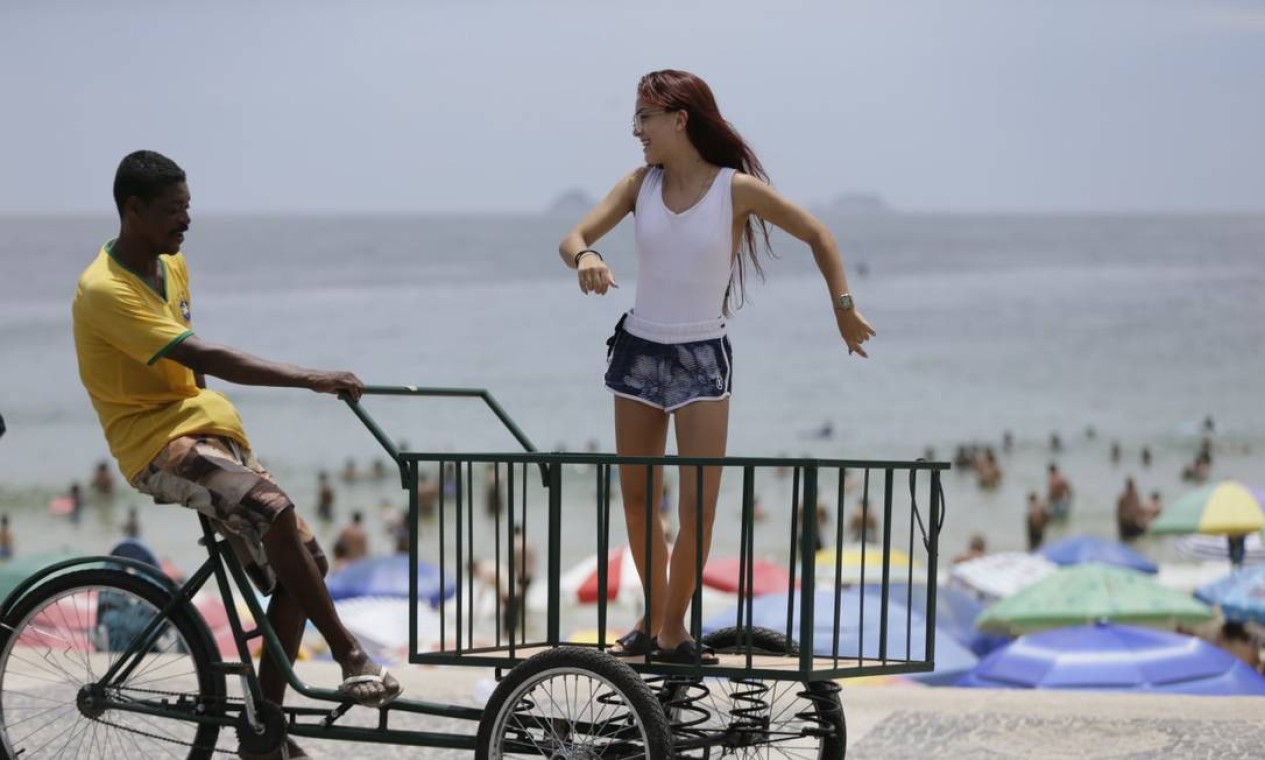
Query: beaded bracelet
[(586, 250)]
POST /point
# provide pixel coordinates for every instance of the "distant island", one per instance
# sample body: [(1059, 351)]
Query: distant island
[(573, 202), (855, 203)]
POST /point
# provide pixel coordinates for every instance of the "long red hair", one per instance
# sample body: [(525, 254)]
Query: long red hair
[(719, 144)]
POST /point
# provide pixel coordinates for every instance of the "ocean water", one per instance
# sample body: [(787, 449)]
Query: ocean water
[(1136, 327)]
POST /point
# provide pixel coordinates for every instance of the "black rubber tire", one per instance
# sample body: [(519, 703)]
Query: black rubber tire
[(818, 699), (611, 676), (196, 644)]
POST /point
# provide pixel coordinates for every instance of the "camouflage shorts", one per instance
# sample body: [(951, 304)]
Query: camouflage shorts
[(226, 483)]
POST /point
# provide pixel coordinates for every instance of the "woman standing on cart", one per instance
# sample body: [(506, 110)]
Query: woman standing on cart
[(701, 203)]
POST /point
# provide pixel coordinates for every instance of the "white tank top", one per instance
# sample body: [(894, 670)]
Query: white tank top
[(684, 262)]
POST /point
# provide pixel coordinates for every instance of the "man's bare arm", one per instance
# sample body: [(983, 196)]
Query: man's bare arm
[(239, 367)]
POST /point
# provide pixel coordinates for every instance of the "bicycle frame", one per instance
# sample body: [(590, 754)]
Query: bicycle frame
[(228, 573)]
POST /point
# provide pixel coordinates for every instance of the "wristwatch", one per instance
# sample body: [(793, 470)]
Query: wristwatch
[(844, 302)]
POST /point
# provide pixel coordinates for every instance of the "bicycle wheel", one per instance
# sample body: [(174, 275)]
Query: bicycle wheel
[(576, 703), (751, 717), (65, 634)]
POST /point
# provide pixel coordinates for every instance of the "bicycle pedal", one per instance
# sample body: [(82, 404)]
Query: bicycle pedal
[(231, 668)]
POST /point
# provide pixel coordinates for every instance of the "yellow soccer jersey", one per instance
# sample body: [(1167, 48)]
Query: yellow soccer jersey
[(123, 331)]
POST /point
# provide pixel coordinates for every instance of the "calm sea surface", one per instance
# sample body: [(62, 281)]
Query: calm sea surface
[(1137, 327)]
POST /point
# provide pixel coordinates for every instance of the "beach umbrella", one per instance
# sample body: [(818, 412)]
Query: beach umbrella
[(1078, 550), (1240, 595), (1228, 508), (721, 573), (22, 566), (623, 584), (1088, 593), (1113, 657), (380, 624), (864, 560), (389, 576), (579, 585), (1195, 546), (859, 628), (996, 576)]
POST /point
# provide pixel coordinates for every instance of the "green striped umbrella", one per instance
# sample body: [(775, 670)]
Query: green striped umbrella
[(1088, 593)]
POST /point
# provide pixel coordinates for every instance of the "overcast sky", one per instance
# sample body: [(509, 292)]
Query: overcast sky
[(499, 105)]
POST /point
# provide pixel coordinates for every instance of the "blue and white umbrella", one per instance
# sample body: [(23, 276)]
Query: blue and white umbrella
[(1109, 657), (389, 576), (1078, 550), (1240, 595)]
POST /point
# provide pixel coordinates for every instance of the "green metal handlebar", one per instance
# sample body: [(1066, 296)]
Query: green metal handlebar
[(414, 390)]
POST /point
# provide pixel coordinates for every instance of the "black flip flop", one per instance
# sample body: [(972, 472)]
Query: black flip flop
[(686, 653), (635, 643)]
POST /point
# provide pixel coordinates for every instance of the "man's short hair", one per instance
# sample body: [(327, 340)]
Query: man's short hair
[(144, 174)]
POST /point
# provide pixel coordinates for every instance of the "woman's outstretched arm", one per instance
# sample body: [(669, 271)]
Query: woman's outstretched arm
[(751, 196)]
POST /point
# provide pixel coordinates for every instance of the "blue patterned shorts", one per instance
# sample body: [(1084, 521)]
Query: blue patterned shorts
[(668, 375)]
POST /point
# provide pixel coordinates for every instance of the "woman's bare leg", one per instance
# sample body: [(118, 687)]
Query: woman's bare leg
[(642, 431), (702, 430)]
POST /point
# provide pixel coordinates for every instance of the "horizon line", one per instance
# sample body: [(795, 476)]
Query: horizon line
[(550, 213)]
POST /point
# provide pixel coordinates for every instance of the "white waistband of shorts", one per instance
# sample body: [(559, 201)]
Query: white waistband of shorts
[(684, 332)]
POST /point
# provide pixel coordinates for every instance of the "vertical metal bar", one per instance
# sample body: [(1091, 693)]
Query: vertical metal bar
[(790, 599), (603, 548), (808, 541), (887, 562), (696, 604), (648, 582), (470, 559), (529, 573), (516, 603), (464, 494), (838, 588), (443, 555), (414, 537), (555, 556), (933, 550), (744, 557), (909, 582), (496, 556), (749, 550), (865, 517)]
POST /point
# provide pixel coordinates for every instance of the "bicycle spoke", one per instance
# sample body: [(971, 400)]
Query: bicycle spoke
[(66, 640)]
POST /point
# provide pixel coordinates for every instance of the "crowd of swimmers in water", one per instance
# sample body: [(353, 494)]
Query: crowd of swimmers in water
[(1134, 512)]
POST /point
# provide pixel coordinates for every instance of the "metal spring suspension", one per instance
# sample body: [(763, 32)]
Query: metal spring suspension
[(750, 708), (613, 699), (680, 698), (820, 720)]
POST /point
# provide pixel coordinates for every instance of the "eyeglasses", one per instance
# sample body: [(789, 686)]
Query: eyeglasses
[(639, 118)]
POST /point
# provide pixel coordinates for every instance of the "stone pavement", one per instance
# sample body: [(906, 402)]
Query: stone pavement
[(916, 723), (975, 723)]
